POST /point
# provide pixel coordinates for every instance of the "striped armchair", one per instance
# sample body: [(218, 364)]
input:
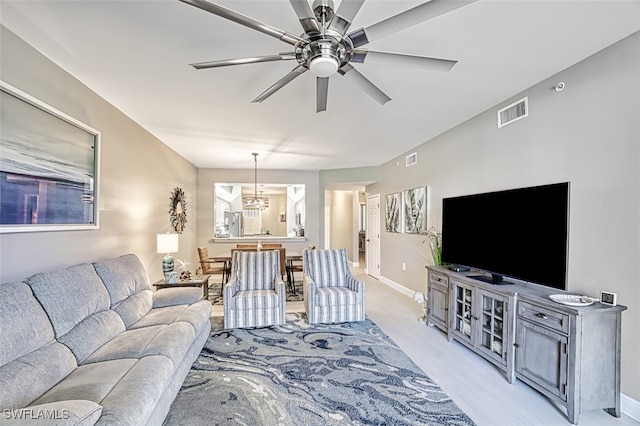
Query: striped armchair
[(331, 293), (255, 295)]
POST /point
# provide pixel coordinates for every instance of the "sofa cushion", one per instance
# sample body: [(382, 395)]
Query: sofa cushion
[(77, 304), (23, 380), (92, 333), (197, 315), (63, 413), (128, 285), (127, 389), (171, 341), (25, 325), (30, 359)]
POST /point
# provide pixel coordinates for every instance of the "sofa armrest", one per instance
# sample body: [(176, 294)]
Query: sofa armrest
[(176, 296), (77, 412)]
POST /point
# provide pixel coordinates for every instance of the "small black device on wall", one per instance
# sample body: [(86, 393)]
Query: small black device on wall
[(607, 298)]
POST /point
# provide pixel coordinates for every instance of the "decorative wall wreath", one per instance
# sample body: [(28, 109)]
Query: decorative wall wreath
[(178, 210)]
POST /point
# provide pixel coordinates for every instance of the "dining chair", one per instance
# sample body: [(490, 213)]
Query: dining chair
[(331, 293), (212, 266), (295, 265), (254, 296)]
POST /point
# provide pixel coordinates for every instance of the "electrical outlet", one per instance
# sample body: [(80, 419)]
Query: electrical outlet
[(404, 266)]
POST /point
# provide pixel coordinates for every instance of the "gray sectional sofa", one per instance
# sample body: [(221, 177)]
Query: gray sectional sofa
[(92, 344)]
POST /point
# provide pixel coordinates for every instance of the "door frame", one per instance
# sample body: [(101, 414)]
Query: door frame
[(372, 249)]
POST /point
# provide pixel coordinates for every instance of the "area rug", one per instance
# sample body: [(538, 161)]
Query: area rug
[(297, 374), (216, 298)]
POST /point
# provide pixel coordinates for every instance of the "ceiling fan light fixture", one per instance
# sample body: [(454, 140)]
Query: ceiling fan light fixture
[(323, 66)]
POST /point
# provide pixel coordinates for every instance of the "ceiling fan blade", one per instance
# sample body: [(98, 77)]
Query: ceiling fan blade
[(322, 93), (280, 84), (305, 15), (344, 15), (402, 60), (364, 84), (229, 14), (242, 61), (405, 19)]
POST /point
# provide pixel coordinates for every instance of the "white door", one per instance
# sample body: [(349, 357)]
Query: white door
[(372, 251)]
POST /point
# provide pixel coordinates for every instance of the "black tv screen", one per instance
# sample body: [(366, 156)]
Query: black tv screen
[(519, 233)]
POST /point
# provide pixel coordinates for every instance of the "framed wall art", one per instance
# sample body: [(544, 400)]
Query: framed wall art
[(392, 213), (49, 167), (415, 210)]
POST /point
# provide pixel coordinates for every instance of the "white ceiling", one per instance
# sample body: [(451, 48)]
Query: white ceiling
[(135, 54)]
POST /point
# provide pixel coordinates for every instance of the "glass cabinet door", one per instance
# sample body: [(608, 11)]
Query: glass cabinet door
[(492, 323), (463, 314)]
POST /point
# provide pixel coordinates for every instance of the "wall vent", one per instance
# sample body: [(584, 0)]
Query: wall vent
[(513, 112), (411, 159)]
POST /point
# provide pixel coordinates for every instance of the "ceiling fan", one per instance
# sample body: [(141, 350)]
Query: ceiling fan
[(325, 47)]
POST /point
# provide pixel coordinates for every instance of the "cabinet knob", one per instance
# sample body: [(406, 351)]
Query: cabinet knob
[(517, 345), (541, 315)]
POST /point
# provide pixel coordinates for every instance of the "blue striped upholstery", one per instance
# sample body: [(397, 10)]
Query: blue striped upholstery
[(256, 270), (331, 293), (255, 294), (329, 268)]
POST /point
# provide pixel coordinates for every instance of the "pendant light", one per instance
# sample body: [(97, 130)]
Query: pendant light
[(255, 202)]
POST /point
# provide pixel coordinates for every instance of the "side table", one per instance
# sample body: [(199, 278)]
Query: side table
[(195, 281)]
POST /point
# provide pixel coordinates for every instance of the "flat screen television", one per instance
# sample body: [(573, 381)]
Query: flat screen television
[(520, 233)]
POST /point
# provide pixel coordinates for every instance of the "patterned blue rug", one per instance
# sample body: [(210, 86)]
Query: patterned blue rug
[(297, 374)]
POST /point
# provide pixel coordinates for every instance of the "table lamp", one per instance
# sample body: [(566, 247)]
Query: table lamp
[(167, 243)]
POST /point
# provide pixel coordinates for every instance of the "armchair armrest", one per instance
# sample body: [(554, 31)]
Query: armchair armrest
[(355, 284), (231, 288), (309, 287), (279, 287)]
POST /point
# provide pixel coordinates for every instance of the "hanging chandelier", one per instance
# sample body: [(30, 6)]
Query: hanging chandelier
[(255, 202)]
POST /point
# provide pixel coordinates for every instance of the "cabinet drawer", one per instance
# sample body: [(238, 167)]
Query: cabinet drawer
[(437, 278), (543, 316)]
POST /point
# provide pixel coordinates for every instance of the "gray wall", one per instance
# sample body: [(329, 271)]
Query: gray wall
[(343, 233), (589, 135), (138, 174)]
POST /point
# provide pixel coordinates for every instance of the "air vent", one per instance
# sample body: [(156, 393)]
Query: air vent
[(411, 159), (513, 112)]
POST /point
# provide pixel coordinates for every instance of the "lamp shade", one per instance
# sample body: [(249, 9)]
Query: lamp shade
[(167, 243)]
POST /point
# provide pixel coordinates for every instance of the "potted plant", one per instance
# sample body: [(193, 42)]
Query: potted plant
[(434, 240)]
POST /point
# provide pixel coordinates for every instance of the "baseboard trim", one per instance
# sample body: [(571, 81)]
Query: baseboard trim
[(397, 287), (628, 406)]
